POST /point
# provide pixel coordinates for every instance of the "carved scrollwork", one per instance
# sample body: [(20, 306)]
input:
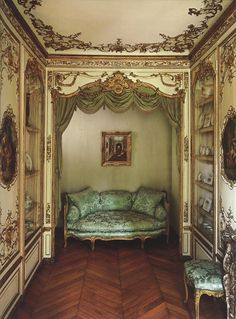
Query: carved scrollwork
[(48, 213), (228, 235), (8, 235), (228, 63), (206, 70), (185, 212), (9, 53), (118, 83), (186, 148), (178, 43), (49, 148)]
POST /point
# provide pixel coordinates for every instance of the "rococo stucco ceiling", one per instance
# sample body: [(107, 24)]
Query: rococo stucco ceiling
[(136, 27)]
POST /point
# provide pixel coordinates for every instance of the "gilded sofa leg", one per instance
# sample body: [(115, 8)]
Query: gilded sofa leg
[(186, 289), (93, 244), (142, 243), (197, 301)]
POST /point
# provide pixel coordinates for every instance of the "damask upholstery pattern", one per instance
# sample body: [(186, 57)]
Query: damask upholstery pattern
[(87, 201), (116, 221), (115, 200), (204, 274), (146, 200), (110, 215)]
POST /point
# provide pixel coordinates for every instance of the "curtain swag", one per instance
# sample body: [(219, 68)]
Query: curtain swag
[(93, 97)]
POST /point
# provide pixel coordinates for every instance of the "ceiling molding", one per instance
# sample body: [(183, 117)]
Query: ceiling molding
[(179, 43), (113, 62)]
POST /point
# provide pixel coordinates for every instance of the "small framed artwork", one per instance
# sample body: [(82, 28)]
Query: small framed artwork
[(207, 120), (207, 204), (116, 148)]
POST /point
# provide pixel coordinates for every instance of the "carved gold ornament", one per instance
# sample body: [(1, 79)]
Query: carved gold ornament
[(228, 63), (185, 212), (8, 236), (186, 148), (9, 53), (49, 148), (178, 43)]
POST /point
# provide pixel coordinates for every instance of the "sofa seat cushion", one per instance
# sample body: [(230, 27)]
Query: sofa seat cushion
[(204, 274), (115, 200), (116, 222)]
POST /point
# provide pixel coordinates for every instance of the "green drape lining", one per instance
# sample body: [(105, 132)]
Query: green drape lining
[(91, 99)]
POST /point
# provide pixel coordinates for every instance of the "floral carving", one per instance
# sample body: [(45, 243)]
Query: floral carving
[(49, 148), (186, 148), (178, 43), (9, 56), (48, 213), (228, 63), (118, 83), (134, 63), (8, 236), (185, 212)]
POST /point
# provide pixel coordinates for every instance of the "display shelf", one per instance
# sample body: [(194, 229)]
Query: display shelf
[(33, 173), (31, 129), (204, 130), (205, 101), (204, 158), (205, 186)]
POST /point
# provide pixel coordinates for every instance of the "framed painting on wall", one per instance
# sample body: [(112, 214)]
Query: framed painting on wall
[(229, 147), (116, 148)]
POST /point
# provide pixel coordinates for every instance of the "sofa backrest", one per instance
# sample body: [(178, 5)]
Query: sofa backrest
[(115, 200)]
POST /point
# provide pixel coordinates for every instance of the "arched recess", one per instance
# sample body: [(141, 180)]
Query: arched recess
[(117, 93)]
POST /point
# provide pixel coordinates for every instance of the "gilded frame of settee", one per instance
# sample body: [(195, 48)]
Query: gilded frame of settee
[(93, 239)]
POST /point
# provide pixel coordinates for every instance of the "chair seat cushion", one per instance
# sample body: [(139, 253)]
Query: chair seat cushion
[(204, 274)]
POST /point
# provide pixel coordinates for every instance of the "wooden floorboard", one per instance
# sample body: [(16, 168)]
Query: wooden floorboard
[(116, 281)]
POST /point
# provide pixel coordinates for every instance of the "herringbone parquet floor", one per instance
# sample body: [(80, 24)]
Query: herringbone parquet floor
[(116, 281)]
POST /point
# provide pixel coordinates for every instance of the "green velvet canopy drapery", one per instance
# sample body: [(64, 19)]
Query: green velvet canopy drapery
[(118, 95)]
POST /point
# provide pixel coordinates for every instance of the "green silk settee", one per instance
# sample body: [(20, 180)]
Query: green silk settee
[(115, 215)]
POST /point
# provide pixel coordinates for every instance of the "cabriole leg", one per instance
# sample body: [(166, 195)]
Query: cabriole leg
[(197, 301)]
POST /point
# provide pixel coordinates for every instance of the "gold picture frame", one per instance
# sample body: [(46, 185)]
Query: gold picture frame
[(8, 149), (116, 148)]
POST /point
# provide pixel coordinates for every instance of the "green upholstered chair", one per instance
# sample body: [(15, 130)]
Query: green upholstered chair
[(205, 277)]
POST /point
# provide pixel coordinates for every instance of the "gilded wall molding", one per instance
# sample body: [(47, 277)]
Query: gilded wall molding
[(49, 148), (119, 62), (227, 63), (186, 148), (9, 53), (9, 235), (179, 43), (48, 213)]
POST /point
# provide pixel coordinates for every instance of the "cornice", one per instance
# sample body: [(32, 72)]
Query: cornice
[(128, 62)]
